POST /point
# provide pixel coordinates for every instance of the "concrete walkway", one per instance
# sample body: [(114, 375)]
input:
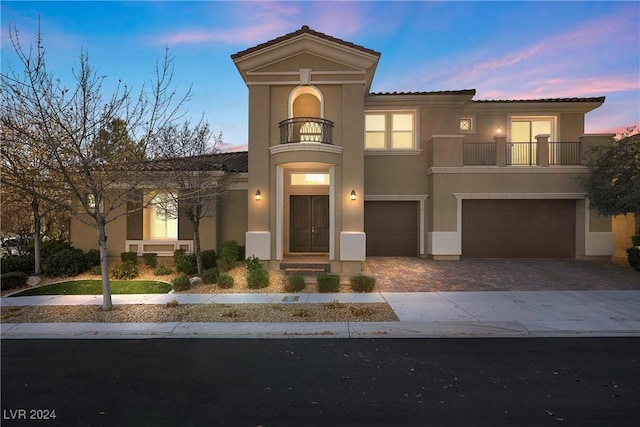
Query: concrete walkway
[(422, 315)]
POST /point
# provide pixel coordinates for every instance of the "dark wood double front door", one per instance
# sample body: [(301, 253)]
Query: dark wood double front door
[(309, 219)]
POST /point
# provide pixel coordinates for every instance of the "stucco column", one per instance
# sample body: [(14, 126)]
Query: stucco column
[(592, 140), (445, 150), (543, 149), (501, 150)]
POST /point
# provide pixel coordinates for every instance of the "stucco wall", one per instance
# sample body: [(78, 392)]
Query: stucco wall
[(232, 219)]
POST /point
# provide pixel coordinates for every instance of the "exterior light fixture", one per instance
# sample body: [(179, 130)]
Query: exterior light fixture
[(353, 194), (258, 195), (499, 130)]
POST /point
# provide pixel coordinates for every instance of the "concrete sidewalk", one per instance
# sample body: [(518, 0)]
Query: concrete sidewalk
[(422, 315)]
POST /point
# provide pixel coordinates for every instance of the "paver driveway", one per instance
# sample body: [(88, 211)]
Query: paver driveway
[(422, 275)]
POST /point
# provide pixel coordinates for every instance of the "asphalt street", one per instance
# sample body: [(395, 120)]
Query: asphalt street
[(319, 382)]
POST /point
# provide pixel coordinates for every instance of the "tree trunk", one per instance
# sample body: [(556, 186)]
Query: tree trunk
[(37, 226), (104, 264), (195, 222)]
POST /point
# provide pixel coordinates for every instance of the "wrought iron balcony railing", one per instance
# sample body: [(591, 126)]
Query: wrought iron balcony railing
[(520, 154), (306, 130)]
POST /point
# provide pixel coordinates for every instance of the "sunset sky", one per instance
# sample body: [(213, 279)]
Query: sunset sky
[(504, 50)]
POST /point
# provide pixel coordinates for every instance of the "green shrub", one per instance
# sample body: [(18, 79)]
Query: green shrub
[(185, 263), (209, 276), (129, 256), (228, 254), (14, 263), (150, 259), (181, 283), (633, 256), (161, 270), (93, 257), (66, 263), (15, 279), (294, 284), (328, 283), (225, 281), (208, 259), (124, 271), (253, 262), (258, 278), (362, 283), (96, 270), (635, 240), (50, 247)]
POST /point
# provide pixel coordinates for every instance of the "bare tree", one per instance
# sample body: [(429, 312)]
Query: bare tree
[(198, 180), (88, 142)]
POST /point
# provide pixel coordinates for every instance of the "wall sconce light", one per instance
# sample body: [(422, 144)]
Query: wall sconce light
[(258, 195), (353, 194), (499, 130)]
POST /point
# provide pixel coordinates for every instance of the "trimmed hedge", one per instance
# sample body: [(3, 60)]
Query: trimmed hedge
[(18, 263), (328, 283), (209, 276), (208, 259), (228, 254), (93, 257), (362, 283), (185, 263), (161, 270), (258, 278), (12, 280), (51, 247), (225, 281), (129, 256), (150, 259), (126, 270), (633, 256), (294, 284), (181, 283), (66, 263), (253, 262)]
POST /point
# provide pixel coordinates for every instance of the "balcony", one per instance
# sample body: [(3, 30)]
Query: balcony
[(521, 154), (306, 130)]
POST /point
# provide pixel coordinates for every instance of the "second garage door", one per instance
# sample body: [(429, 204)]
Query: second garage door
[(518, 228), (391, 228)]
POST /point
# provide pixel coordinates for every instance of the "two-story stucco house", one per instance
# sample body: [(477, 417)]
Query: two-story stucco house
[(334, 169)]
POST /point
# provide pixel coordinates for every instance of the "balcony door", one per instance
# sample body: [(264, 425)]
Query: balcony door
[(309, 224)]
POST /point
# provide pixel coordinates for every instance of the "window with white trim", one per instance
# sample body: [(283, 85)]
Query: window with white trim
[(163, 218), (393, 130)]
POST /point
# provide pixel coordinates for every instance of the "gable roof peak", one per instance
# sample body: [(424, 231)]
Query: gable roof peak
[(305, 29)]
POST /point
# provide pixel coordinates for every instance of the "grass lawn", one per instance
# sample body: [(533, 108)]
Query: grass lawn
[(94, 287)]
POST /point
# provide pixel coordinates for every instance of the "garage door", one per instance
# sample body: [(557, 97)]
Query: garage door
[(518, 228), (391, 228)]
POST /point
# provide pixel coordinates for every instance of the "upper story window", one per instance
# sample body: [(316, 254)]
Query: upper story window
[(525, 129), (394, 130)]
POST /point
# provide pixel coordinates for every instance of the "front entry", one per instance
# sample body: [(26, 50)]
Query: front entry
[(309, 224)]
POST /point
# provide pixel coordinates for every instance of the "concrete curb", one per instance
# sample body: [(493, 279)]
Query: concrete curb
[(422, 315)]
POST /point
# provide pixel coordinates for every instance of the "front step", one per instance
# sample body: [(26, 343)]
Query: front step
[(305, 269)]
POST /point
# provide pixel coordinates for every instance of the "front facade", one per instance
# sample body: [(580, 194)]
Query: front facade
[(336, 170)]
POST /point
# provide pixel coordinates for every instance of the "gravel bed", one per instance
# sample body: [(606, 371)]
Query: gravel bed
[(299, 312)]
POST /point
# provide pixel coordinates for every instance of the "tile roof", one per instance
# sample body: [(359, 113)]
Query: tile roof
[(594, 99), (437, 92), (237, 162), (303, 30)]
